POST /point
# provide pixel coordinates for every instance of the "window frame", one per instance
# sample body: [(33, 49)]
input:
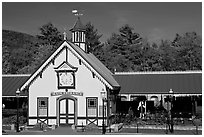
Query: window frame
[(39, 99)]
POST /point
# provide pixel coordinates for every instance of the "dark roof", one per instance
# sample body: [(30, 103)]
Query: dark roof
[(180, 83), (10, 83), (78, 26), (98, 66)]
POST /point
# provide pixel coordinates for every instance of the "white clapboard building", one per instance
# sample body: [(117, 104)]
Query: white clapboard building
[(68, 88)]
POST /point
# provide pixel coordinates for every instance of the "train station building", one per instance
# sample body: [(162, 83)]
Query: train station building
[(70, 86)]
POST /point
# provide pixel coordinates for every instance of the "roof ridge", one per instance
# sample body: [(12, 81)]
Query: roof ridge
[(157, 72), (16, 75)]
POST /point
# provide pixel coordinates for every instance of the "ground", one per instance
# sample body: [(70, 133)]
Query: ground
[(124, 131)]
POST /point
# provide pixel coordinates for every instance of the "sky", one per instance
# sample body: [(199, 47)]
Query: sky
[(152, 20)]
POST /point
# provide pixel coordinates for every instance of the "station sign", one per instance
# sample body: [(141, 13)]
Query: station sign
[(76, 93)]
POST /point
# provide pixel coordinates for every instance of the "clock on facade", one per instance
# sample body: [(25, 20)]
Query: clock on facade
[(66, 76), (66, 79)]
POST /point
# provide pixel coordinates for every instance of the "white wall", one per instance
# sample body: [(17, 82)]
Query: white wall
[(42, 87)]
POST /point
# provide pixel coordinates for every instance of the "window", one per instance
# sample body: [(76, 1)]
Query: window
[(42, 103), (92, 106), (91, 102), (42, 106)]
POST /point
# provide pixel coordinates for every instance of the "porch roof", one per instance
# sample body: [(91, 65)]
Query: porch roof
[(10, 83), (160, 83)]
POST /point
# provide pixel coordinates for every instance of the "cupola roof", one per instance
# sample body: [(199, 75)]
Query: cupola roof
[(78, 26)]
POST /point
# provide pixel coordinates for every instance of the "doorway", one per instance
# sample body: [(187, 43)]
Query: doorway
[(66, 110)]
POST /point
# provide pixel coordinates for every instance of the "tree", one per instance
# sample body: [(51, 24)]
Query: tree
[(129, 36), (189, 51), (5, 60), (168, 56), (151, 59), (49, 40), (41, 55), (20, 58), (49, 35), (92, 40), (123, 50)]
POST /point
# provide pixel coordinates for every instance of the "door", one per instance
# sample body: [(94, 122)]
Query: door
[(66, 112)]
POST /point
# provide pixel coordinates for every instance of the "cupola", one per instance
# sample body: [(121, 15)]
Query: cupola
[(78, 34)]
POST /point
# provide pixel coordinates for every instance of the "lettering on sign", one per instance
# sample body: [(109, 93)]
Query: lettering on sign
[(64, 93)]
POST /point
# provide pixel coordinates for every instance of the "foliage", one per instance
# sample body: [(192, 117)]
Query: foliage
[(49, 40), (189, 51), (41, 55), (5, 60), (50, 35), (126, 51), (92, 38), (15, 40), (11, 112), (123, 51), (41, 126), (18, 49), (12, 120), (19, 59), (129, 36)]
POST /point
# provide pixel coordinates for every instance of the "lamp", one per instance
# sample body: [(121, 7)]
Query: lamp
[(171, 92), (17, 119), (103, 96)]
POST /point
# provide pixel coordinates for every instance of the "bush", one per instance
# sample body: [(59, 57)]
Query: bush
[(12, 112), (12, 120)]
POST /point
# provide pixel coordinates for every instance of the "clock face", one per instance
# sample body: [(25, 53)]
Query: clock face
[(66, 79)]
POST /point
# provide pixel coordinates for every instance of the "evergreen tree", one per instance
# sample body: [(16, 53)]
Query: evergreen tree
[(49, 35), (49, 40), (168, 55), (129, 36), (189, 51), (92, 40), (123, 50)]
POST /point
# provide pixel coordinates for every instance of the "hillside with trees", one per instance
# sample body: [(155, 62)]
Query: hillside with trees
[(17, 50), (125, 50)]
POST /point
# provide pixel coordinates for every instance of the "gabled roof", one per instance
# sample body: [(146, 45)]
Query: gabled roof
[(90, 61), (98, 66), (10, 83), (160, 83), (78, 26)]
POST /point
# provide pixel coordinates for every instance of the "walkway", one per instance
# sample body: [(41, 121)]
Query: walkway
[(57, 131), (123, 131)]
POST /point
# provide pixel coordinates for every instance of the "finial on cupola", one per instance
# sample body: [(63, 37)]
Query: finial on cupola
[(78, 31)]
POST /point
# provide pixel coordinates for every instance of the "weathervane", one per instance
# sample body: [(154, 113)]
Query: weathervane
[(77, 12)]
